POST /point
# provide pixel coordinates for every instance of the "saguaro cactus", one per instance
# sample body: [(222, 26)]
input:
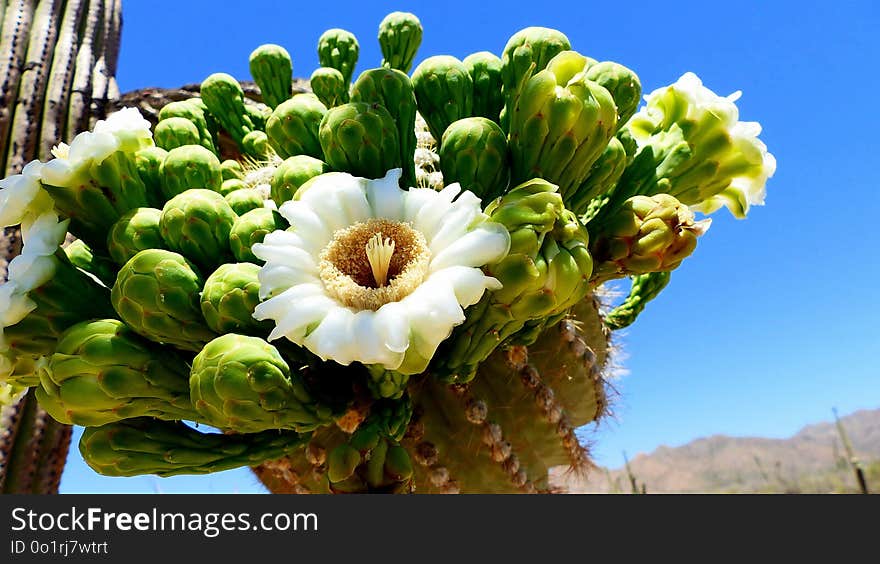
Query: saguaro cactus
[(346, 330), (57, 68)]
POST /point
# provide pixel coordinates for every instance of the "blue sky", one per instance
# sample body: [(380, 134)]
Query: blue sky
[(772, 322)]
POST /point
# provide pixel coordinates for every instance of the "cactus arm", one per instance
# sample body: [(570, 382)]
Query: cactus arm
[(33, 448), (13, 45)]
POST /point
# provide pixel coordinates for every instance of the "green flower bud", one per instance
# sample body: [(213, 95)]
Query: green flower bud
[(485, 71), (197, 223), (228, 300), (245, 200), (272, 70), (190, 166), (392, 89), (243, 384), (252, 227), (103, 372), (444, 91), (400, 35), (339, 49), (329, 86), (175, 132), (135, 231), (360, 139), (157, 294), (293, 126), (474, 154), (292, 173)]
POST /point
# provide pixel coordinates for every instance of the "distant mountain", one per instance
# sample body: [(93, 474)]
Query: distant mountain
[(813, 461)]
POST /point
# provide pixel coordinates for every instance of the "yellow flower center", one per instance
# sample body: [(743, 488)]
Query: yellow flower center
[(372, 263)]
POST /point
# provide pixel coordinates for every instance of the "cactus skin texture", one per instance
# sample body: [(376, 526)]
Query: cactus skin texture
[(444, 91), (293, 126), (392, 89), (474, 154), (400, 35), (360, 139), (57, 74), (272, 70), (339, 49)]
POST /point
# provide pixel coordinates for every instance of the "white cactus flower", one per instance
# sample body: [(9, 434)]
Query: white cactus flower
[(374, 274), (125, 130), (22, 197), (729, 164)]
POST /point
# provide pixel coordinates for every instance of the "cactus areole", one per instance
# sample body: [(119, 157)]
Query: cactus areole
[(356, 307)]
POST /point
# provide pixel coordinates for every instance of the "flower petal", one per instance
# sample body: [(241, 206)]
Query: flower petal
[(487, 243)]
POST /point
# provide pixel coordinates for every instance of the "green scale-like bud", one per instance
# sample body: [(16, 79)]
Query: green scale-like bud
[(228, 300), (194, 111), (400, 35), (157, 295), (244, 200), (339, 49), (444, 91), (190, 166), (81, 256), (135, 231), (292, 173), (175, 132), (527, 52), (329, 86), (293, 126), (272, 70), (250, 228), (392, 89), (545, 273), (148, 162), (243, 384), (103, 372), (646, 234), (196, 224), (474, 154), (604, 174), (143, 445), (256, 144), (232, 185), (622, 83), (560, 125), (231, 168), (67, 297), (224, 98), (95, 196), (485, 70), (645, 287), (360, 139)]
